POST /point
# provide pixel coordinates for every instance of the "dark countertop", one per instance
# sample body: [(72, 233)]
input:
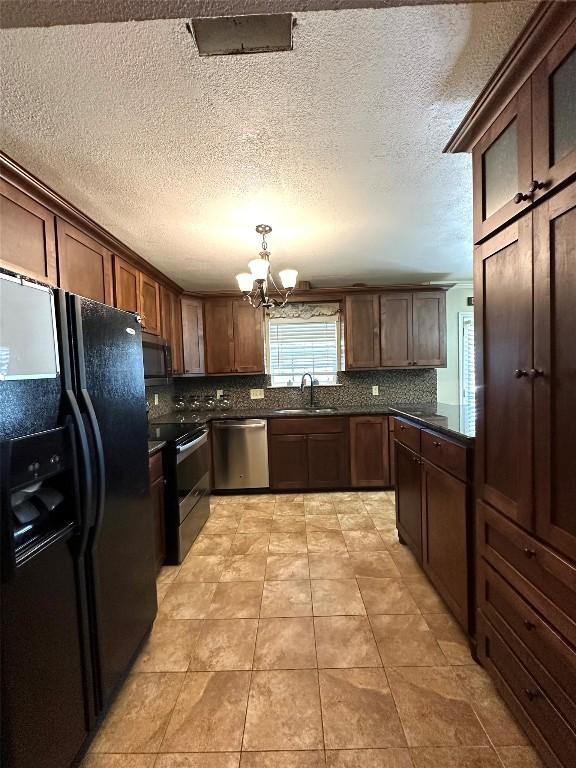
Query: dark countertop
[(154, 446), (452, 420)]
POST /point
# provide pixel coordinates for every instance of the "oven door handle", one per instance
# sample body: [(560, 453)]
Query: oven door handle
[(191, 445)]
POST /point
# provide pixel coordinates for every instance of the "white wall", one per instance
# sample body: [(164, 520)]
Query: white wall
[(448, 377)]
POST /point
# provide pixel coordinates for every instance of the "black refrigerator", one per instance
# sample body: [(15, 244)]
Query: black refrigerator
[(78, 590)]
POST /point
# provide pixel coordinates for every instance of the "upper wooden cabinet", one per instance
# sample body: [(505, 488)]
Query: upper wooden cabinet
[(27, 235), (234, 337), (84, 266), (530, 148), (396, 348), (362, 331), (193, 335), (127, 283), (171, 326), (429, 329), (149, 304)]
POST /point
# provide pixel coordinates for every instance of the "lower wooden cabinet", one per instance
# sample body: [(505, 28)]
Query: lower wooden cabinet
[(288, 460), (369, 451), (408, 499), (328, 460), (157, 486)]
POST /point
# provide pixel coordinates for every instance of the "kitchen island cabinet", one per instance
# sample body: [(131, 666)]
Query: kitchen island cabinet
[(157, 489)]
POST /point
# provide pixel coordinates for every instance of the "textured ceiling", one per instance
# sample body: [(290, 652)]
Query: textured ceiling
[(337, 144)]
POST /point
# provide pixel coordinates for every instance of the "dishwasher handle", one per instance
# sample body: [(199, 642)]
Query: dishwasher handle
[(252, 424)]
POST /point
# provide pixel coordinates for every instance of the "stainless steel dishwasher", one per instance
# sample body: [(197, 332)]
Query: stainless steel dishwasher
[(240, 454)]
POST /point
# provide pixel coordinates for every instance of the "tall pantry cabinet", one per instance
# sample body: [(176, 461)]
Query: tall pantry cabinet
[(522, 135)]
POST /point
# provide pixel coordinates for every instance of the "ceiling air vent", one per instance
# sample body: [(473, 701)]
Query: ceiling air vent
[(231, 35)]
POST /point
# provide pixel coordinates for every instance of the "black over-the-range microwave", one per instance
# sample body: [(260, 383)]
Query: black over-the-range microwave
[(157, 360)]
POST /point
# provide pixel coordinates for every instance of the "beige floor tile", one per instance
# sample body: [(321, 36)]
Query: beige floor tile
[(250, 498), (369, 758), (244, 568), (384, 522), (224, 644), (138, 718), (285, 644), (202, 568), (199, 760), (356, 522), (386, 596), (255, 525), (217, 544), (363, 541), (337, 597), (250, 543), (330, 566), (379, 507), (185, 600), (236, 600), (322, 523), (290, 509), (390, 539), (287, 543), (455, 757), (289, 498), (209, 714), (223, 511), (424, 594), (377, 565), (345, 641), (308, 759), (450, 637), (358, 710), (406, 641), (286, 599), (287, 567), (404, 559), (289, 524), (343, 496), (349, 507), (167, 574), (433, 708), (118, 761), (283, 711), (325, 542), (169, 646), (492, 712), (220, 525), (319, 508), (258, 511), (519, 757), (374, 496), (161, 590)]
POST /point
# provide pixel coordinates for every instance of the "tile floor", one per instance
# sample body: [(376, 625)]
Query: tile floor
[(299, 633)]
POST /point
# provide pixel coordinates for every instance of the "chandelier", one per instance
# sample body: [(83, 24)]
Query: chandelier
[(254, 284)]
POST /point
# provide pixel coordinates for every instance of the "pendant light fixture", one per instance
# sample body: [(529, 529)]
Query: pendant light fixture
[(254, 284)]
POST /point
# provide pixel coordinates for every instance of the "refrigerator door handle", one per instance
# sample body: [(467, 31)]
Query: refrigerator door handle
[(87, 486), (8, 554), (100, 466)]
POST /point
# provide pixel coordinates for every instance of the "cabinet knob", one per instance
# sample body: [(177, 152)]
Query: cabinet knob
[(534, 373), (402, 426), (530, 553), (529, 625), (534, 185), (532, 694), (520, 198), (436, 444), (520, 372)]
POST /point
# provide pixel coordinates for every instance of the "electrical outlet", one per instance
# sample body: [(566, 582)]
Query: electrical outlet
[(375, 390), (256, 394), (156, 399), (219, 393)]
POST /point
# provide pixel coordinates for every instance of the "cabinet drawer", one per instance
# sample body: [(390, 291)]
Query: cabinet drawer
[(526, 698), (407, 434), (533, 640), (308, 425), (155, 466), (445, 453), (547, 581)]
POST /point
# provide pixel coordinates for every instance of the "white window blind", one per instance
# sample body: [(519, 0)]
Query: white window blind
[(467, 372), (296, 347)]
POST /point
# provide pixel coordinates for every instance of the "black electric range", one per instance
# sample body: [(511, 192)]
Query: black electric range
[(177, 434)]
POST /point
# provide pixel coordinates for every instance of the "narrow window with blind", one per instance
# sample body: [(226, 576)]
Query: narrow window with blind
[(467, 372), (297, 346)]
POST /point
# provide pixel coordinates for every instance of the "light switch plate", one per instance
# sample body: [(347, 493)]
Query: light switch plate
[(219, 393), (257, 394), (156, 400), (375, 390)]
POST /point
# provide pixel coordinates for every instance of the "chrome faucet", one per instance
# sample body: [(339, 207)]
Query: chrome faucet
[(303, 384)]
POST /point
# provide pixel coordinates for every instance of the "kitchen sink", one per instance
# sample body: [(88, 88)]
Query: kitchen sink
[(304, 411)]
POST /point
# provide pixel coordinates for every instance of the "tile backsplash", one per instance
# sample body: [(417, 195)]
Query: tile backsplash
[(395, 386)]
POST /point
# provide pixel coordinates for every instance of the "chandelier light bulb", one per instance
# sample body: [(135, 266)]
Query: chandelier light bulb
[(259, 268), (289, 278), (256, 283), (245, 281)]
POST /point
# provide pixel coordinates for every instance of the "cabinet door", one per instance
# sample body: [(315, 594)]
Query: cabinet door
[(193, 335), (219, 336), (503, 327), (177, 338), (328, 461), (429, 329), (127, 283), (288, 459), (554, 114), (391, 451), (166, 314), (408, 499), (150, 304), (362, 331), (369, 462), (248, 338), (396, 329), (84, 266), (554, 370), (157, 497), (502, 167), (445, 538), (27, 235)]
